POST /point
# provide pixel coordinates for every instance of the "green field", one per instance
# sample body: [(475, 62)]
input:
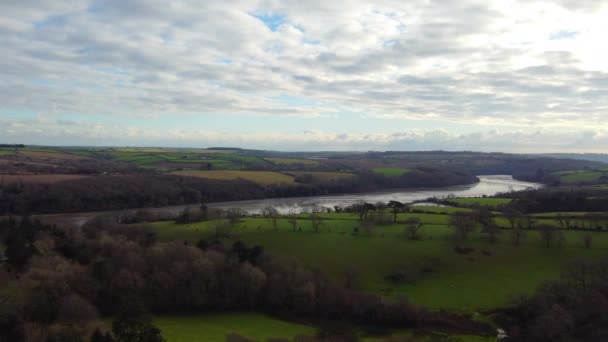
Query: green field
[(216, 327), (457, 282), (292, 161), (581, 176), (391, 171), (492, 202), (260, 177), (323, 177)]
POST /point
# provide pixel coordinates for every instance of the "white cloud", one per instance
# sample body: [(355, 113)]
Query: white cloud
[(490, 64)]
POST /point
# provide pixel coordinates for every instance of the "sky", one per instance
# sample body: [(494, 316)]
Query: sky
[(512, 76)]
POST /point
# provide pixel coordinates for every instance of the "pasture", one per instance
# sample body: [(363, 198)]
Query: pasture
[(260, 177), (440, 277), (215, 327), (391, 171), (490, 201), (292, 161), (321, 177), (581, 176)]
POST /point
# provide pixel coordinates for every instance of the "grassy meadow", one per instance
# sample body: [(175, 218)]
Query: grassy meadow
[(391, 171), (260, 177), (488, 277), (489, 201)]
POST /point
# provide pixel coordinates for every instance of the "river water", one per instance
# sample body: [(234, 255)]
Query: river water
[(488, 185)]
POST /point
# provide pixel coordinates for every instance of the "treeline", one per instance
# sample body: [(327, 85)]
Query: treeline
[(559, 199), (153, 190), (59, 281), (12, 146), (571, 309)]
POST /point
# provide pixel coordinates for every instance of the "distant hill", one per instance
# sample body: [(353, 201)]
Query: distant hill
[(597, 157)]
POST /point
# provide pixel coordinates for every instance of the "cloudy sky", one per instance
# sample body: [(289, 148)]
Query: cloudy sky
[(521, 76)]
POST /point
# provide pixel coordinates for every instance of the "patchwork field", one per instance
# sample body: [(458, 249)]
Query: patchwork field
[(50, 155), (260, 177), (487, 277)]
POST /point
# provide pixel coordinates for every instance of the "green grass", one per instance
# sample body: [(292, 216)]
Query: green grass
[(260, 177), (216, 327), (292, 161), (391, 171), (460, 282), (492, 202), (580, 176), (322, 177), (439, 209)]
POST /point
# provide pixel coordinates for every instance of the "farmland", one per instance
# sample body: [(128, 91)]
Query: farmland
[(391, 171), (491, 202), (260, 177), (459, 282), (255, 326), (216, 327), (581, 176), (292, 161)]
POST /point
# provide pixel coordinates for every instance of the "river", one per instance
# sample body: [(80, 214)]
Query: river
[(488, 185)]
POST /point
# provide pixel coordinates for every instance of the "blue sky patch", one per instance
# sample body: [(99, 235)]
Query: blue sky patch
[(272, 21), (563, 35)]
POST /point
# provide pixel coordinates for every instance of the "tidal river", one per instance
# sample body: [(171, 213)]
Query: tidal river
[(488, 185)]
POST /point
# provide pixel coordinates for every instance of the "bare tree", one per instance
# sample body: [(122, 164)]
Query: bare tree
[(518, 234), (234, 215), (367, 225), (273, 214), (412, 227), (292, 218), (587, 240), (315, 219), (550, 235), (492, 231), (463, 225), (221, 228)]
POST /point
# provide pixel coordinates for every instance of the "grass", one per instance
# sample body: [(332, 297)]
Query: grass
[(292, 161), (260, 177), (323, 177), (50, 154), (580, 176), (459, 282), (391, 171), (492, 202), (215, 327)]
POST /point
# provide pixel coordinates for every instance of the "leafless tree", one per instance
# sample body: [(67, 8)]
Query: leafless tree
[(412, 228)]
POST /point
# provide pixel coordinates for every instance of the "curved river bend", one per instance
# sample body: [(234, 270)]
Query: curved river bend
[(488, 185)]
